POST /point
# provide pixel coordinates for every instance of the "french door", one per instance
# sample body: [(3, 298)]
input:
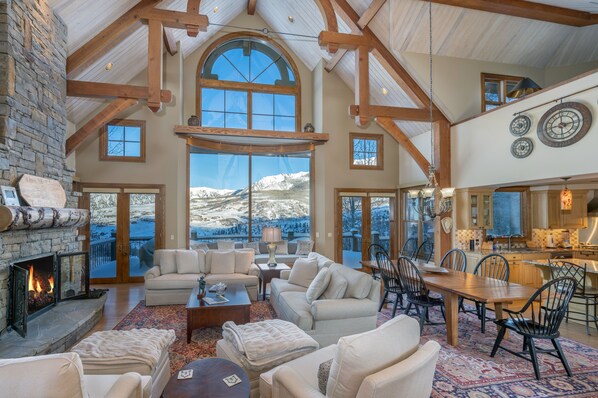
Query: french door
[(126, 226), (364, 217)]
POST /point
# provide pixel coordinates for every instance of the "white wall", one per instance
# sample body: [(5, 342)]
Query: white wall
[(409, 172), (480, 148)]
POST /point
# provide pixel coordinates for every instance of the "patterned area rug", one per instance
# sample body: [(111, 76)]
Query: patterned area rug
[(464, 371)]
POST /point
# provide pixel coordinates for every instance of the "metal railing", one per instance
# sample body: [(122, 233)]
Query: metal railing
[(104, 251)]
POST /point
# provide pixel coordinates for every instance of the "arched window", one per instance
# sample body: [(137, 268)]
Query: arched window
[(247, 81)]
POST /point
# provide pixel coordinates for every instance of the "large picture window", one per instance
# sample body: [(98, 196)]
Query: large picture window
[(233, 196), (247, 81)]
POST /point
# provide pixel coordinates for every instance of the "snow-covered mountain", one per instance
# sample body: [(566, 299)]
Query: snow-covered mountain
[(282, 182), (205, 192)]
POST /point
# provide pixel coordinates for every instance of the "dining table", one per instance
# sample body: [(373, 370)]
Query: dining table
[(454, 284)]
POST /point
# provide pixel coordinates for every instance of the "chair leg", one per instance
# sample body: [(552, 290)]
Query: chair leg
[(394, 307), (400, 295), (427, 311), (525, 343), (461, 306), (588, 316), (595, 318), (408, 309), (422, 316), (442, 311), (499, 337), (534, 357), (483, 311), (383, 300), (561, 355)]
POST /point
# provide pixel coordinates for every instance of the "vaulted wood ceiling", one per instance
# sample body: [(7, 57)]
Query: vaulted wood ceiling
[(400, 25)]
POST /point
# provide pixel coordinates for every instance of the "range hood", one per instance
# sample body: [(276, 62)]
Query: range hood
[(593, 205)]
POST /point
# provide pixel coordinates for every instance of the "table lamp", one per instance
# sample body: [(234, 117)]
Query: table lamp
[(271, 235)]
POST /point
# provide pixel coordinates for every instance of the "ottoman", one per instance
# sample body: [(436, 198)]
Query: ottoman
[(144, 351), (267, 344)]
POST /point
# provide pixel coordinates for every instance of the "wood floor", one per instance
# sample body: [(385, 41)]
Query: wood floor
[(122, 298)]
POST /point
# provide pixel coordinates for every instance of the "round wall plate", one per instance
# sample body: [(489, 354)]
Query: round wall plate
[(520, 125), (522, 147), (564, 124)]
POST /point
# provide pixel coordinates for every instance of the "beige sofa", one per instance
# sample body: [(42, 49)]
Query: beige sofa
[(61, 375), (176, 272), (328, 319), (262, 258)]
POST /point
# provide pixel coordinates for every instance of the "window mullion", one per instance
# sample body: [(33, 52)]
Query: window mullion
[(250, 109)]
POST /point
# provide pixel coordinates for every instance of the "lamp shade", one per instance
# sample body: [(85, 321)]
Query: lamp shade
[(525, 87), (271, 234), (566, 199)]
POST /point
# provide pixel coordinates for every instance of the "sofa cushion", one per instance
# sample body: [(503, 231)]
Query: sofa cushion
[(303, 272), (304, 247), (225, 245), (252, 245), (363, 354), (223, 262), (295, 308), (282, 247), (336, 288), (187, 262), (323, 261), (243, 260), (318, 285), (278, 286), (172, 281), (247, 280), (167, 261), (201, 260), (358, 283)]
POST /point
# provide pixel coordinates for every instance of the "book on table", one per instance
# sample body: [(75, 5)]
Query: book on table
[(215, 300)]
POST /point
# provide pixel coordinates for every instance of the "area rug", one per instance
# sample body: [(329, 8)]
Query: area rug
[(464, 371)]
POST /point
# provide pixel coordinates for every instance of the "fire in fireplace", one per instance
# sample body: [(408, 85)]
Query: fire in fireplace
[(41, 288)]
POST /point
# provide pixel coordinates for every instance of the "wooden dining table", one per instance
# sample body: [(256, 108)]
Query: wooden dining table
[(455, 284)]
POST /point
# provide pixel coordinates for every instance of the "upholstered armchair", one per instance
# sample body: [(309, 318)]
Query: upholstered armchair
[(384, 362), (61, 375)]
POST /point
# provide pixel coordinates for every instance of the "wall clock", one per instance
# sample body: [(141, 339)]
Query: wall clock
[(520, 125), (564, 124), (522, 147)]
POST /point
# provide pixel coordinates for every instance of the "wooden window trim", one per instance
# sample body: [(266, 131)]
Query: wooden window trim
[(379, 151), (104, 141), (502, 79), (250, 88), (526, 214)]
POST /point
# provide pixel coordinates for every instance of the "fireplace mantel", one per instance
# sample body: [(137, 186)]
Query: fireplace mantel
[(15, 218)]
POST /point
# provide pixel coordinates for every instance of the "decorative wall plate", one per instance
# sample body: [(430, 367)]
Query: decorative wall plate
[(522, 147), (564, 124), (520, 125)]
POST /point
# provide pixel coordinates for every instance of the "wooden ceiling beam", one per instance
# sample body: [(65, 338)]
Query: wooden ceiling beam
[(107, 39), (77, 88), (113, 109), (395, 132), (251, 4), (362, 86), (170, 41), (527, 9), (330, 23), (192, 9), (344, 40), (175, 19), (397, 113), (154, 65)]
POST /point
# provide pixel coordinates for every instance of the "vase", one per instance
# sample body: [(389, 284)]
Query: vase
[(193, 121)]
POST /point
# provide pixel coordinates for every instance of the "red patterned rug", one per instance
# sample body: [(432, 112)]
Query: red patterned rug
[(464, 371)]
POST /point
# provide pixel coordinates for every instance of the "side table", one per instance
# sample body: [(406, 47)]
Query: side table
[(267, 273), (207, 381)]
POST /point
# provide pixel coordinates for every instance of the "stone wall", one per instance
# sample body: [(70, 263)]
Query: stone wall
[(33, 53)]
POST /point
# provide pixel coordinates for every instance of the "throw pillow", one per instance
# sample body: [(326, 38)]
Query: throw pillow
[(303, 272), (282, 247), (359, 283), (187, 262), (243, 260), (318, 285), (223, 262), (336, 288), (304, 247), (252, 245), (323, 373), (201, 260), (167, 261), (226, 245), (200, 246)]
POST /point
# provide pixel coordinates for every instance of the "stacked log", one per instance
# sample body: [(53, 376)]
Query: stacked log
[(16, 218)]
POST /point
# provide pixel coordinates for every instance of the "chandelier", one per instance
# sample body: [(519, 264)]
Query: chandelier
[(425, 197)]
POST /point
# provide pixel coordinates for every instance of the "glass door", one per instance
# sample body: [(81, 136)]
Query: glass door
[(380, 216), (126, 227), (352, 230)]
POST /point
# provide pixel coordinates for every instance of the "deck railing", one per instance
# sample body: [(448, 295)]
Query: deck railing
[(104, 250)]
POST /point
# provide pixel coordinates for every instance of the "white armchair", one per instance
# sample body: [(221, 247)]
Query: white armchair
[(385, 362), (61, 375)]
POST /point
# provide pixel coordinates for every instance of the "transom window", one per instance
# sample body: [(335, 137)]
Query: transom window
[(495, 89), (366, 151), (248, 82), (123, 140)]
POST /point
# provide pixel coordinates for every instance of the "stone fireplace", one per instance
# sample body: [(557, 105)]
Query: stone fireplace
[(33, 123)]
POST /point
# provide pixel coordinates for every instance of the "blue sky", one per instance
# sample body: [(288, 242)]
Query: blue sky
[(226, 171)]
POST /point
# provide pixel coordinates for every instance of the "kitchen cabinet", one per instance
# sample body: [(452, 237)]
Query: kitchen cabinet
[(474, 209), (546, 211), (523, 273)]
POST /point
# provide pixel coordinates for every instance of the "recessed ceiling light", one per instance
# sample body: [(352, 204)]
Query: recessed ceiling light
[(384, 91), (109, 66), (216, 9), (291, 19)]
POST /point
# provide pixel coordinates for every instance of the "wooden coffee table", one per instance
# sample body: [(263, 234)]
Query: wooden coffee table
[(207, 381), (202, 315)]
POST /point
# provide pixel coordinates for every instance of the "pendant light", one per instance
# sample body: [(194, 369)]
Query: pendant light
[(566, 196)]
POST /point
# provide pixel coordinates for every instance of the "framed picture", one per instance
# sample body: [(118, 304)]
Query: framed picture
[(9, 196)]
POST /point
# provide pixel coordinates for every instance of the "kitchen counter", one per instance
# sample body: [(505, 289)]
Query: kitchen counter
[(591, 266)]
